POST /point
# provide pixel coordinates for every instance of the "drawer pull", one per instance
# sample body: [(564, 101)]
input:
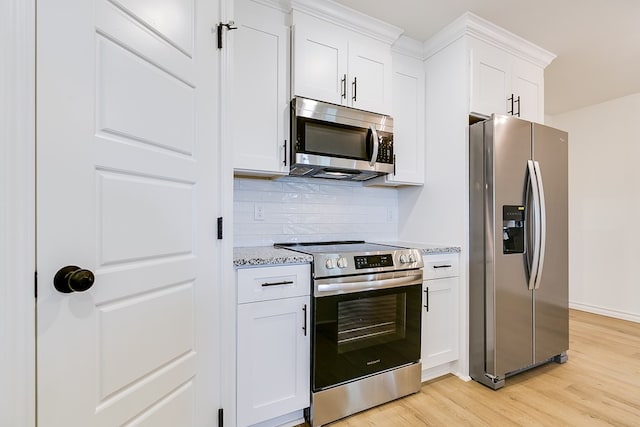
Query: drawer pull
[(442, 266), (284, 282)]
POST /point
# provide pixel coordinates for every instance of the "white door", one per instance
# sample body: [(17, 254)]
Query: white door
[(126, 188)]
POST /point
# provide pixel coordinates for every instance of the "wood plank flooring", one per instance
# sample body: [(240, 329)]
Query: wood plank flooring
[(598, 386)]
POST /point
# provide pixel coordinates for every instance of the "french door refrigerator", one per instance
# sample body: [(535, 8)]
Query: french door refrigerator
[(518, 248)]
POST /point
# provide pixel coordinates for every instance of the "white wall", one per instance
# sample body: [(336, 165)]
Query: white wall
[(604, 206), (308, 209)]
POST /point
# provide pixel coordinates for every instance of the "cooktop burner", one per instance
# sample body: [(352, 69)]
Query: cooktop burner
[(341, 258)]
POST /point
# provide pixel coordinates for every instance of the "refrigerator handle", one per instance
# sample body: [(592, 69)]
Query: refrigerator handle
[(543, 225), (533, 266)]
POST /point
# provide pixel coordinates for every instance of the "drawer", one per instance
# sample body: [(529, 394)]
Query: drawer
[(275, 282), (438, 266)]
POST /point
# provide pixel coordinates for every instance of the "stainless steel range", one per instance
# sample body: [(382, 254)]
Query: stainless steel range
[(366, 317)]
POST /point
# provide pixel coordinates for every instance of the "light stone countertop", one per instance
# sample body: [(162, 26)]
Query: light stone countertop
[(267, 255), (427, 249)]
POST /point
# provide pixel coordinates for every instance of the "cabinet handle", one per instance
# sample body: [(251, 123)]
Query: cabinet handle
[(394, 165), (426, 291), (284, 161), (304, 326), (344, 86), (442, 266), (284, 282), (518, 102), (354, 88), (510, 99)]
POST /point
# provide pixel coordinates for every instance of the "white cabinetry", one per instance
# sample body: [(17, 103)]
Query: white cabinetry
[(503, 83), (334, 64), (440, 320), (260, 92), (273, 343), (408, 114)]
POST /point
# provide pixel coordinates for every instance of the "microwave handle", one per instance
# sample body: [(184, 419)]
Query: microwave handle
[(374, 154)]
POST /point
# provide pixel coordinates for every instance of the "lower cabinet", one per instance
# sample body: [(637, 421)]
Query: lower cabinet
[(440, 316), (273, 343)]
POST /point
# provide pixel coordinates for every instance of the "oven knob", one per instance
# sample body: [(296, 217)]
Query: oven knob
[(342, 262), (403, 259), (330, 263), (412, 258)]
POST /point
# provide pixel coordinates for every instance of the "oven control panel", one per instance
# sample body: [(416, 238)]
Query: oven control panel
[(372, 261)]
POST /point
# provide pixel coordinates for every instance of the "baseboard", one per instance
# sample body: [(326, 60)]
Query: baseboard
[(618, 314), (436, 371)]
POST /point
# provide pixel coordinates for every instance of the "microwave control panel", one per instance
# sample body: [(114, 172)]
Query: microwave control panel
[(385, 150)]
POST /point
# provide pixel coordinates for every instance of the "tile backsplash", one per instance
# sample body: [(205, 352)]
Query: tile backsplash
[(290, 209)]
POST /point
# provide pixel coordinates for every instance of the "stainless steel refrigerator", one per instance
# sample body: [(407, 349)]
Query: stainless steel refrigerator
[(518, 248)]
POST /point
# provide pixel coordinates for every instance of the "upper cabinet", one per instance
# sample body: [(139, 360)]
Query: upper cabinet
[(408, 85), (342, 57), (504, 83), (259, 97)]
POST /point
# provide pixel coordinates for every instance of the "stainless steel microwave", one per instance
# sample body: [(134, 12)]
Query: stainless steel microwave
[(332, 141)]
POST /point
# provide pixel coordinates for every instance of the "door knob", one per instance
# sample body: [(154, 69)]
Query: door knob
[(73, 279)]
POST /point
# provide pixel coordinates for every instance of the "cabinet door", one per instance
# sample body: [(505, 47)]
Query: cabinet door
[(528, 83), (319, 61), (369, 76), (260, 107), (490, 79), (273, 359), (408, 120), (439, 322)]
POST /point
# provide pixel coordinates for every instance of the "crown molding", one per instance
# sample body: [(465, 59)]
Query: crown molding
[(472, 25), (408, 47), (348, 18), (281, 5)]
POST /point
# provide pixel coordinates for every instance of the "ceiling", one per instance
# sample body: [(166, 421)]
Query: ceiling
[(597, 42)]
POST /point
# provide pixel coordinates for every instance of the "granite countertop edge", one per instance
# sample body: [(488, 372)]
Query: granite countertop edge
[(268, 255)]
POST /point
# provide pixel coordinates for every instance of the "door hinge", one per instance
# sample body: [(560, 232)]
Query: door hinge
[(220, 228), (229, 26), (35, 284), (220, 417)]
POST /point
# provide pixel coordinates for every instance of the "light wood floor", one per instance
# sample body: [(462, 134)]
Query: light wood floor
[(598, 386)]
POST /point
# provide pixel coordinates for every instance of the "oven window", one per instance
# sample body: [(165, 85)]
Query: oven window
[(371, 321), (334, 139), (358, 334)]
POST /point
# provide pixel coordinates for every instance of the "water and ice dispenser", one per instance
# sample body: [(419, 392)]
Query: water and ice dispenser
[(513, 229)]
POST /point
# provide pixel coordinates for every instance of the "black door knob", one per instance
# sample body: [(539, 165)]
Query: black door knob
[(73, 279)]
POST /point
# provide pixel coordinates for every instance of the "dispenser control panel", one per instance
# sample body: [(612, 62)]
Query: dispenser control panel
[(513, 219)]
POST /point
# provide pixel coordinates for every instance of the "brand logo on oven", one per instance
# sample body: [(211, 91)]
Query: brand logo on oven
[(373, 362)]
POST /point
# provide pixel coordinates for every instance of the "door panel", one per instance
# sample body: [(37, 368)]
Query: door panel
[(551, 298), (127, 133), (509, 311)]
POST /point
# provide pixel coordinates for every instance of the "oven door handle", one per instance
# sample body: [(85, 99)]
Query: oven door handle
[(335, 288)]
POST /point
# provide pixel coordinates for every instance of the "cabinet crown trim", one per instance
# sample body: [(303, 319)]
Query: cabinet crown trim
[(470, 24), (351, 19)]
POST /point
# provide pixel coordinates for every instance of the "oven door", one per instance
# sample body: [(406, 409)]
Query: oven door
[(364, 325)]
